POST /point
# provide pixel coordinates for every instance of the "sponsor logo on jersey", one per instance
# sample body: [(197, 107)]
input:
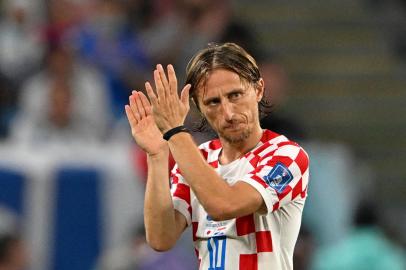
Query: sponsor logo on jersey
[(218, 234), (216, 228), (279, 177)]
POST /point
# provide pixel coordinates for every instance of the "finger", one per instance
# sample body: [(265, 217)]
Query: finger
[(164, 79), (139, 104), (173, 81), (151, 94), (133, 106), (184, 95), (145, 103), (160, 89), (130, 116)]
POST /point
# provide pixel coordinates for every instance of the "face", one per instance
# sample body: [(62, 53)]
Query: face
[(230, 105)]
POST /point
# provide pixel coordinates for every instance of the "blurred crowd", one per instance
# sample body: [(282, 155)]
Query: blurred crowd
[(67, 68)]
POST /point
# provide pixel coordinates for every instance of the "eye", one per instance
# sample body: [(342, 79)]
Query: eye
[(213, 102), (234, 95)]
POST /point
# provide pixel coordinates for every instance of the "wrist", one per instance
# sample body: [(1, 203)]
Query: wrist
[(161, 154), (173, 131)]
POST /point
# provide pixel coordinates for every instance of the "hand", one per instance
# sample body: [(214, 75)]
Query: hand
[(143, 127), (168, 109)]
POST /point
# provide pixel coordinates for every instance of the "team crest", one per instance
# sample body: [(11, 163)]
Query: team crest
[(279, 177)]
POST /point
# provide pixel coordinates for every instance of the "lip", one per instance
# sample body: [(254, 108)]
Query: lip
[(233, 126)]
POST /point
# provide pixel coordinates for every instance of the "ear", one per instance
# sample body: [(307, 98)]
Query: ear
[(259, 89)]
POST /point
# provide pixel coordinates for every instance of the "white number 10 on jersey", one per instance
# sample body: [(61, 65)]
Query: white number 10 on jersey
[(217, 252)]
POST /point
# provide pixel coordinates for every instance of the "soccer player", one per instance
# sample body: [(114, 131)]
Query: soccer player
[(243, 193)]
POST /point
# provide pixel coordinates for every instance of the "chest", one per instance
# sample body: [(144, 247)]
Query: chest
[(231, 173), (235, 171)]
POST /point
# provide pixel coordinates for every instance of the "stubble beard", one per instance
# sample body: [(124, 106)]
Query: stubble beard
[(237, 138)]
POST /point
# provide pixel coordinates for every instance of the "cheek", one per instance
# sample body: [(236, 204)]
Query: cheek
[(250, 113)]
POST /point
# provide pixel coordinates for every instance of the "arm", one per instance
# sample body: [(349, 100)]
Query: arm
[(279, 177), (163, 225), (220, 200)]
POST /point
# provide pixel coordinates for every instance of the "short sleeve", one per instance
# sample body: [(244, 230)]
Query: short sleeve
[(180, 192), (281, 176)]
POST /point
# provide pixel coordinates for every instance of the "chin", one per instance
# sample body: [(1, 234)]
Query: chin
[(236, 137)]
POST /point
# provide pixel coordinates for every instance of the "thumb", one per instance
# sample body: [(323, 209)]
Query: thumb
[(184, 95)]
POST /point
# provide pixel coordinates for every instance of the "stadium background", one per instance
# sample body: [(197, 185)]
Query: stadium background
[(337, 70)]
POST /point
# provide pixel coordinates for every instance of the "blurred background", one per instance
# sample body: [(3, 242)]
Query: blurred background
[(72, 180)]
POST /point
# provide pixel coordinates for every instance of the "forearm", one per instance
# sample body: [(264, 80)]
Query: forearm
[(212, 191), (159, 214)]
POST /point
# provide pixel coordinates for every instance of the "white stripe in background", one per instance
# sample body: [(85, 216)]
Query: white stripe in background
[(38, 210)]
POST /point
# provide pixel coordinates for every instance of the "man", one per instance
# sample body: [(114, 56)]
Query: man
[(244, 192)]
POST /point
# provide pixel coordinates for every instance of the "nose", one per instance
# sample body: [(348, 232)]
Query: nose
[(228, 111)]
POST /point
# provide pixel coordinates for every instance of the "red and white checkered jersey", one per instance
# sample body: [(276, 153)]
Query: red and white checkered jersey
[(279, 170)]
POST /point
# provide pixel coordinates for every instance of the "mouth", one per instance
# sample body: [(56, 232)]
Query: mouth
[(233, 126)]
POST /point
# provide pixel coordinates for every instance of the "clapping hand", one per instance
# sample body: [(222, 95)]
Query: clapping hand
[(168, 109), (143, 127)]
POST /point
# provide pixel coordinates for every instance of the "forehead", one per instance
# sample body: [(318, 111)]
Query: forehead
[(219, 80)]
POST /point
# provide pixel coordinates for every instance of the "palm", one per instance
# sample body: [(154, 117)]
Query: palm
[(143, 127), (147, 135)]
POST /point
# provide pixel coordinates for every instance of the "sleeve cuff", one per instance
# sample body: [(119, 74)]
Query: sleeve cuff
[(265, 193), (182, 207)]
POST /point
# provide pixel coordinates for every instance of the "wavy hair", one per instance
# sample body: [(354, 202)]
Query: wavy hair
[(227, 56)]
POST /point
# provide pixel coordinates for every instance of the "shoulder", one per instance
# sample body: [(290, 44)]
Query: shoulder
[(271, 141), (274, 144)]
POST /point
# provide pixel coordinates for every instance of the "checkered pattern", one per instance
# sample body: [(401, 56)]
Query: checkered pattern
[(259, 240)]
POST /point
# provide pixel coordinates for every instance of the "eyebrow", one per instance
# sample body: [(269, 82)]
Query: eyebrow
[(216, 98), (237, 90)]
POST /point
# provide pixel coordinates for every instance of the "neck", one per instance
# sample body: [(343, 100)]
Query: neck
[(233, 151)]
